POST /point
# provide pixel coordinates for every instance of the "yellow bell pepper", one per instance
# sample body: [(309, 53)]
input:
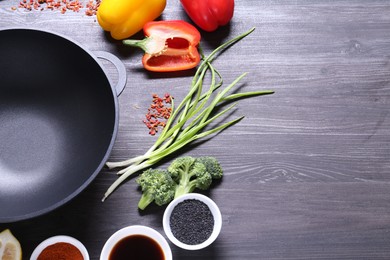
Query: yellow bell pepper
[(124, 18)]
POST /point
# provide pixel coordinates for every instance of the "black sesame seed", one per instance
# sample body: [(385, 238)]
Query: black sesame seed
[(191, 222)]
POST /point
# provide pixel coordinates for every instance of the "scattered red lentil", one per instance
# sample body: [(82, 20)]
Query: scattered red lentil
[(158, 113), (60, 5), (92, 7)]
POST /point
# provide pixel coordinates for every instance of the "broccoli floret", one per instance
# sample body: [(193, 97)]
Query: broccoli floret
[(180, 165), (189, 174), (212, 166), (157, 186), (184, 175)]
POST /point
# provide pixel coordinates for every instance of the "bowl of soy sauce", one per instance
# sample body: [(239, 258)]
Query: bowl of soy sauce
[(136, 242)]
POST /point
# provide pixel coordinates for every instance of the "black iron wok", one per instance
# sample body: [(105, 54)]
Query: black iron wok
[(58, 120)]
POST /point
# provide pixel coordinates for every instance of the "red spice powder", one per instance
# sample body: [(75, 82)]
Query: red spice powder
[(158, 113), (61, 250)]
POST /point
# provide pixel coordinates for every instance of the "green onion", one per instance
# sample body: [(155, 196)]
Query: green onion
[(189, 119)]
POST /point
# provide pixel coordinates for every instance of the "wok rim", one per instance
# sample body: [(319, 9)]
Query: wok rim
[(92, 177)]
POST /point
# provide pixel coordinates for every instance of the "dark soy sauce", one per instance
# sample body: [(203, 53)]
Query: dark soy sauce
[(136, 247)]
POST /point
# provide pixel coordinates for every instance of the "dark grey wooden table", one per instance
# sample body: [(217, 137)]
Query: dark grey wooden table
[(306, 172)]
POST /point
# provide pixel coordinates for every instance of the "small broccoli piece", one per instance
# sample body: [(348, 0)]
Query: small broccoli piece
[(212, 166), (189, 174), (180, 165), (157, 186)]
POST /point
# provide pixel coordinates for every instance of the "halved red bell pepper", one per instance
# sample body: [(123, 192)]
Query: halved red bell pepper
[(168, 46), (209, 14)]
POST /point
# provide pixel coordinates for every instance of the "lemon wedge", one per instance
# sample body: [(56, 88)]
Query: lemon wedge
[(10, 248)]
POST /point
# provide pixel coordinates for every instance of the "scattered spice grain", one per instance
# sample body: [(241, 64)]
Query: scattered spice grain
[(191, 222), (61, 250), (62, 6), (158, 113)]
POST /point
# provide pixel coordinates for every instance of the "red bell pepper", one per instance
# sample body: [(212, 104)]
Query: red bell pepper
[(209, 14), (169, 46)]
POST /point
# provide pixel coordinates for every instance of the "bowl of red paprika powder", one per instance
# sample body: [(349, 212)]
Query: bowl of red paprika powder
[(60, 247)]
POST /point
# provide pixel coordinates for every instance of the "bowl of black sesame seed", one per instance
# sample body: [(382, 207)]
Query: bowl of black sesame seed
[(192, 221)]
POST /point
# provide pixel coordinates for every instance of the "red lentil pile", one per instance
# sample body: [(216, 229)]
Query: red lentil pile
[(61, 5), (158, 113)]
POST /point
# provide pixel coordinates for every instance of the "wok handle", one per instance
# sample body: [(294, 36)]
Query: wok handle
[(120, 67)]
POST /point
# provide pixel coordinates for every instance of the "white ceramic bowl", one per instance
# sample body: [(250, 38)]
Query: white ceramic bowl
[(135, 230), (58, 239), (214, 210)]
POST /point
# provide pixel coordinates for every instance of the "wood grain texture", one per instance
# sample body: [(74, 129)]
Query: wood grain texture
[(307, 172)]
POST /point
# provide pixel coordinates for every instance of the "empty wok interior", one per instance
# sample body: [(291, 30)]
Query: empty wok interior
[(57, 121)]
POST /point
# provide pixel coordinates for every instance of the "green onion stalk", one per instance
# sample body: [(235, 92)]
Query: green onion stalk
[(189, 119)]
